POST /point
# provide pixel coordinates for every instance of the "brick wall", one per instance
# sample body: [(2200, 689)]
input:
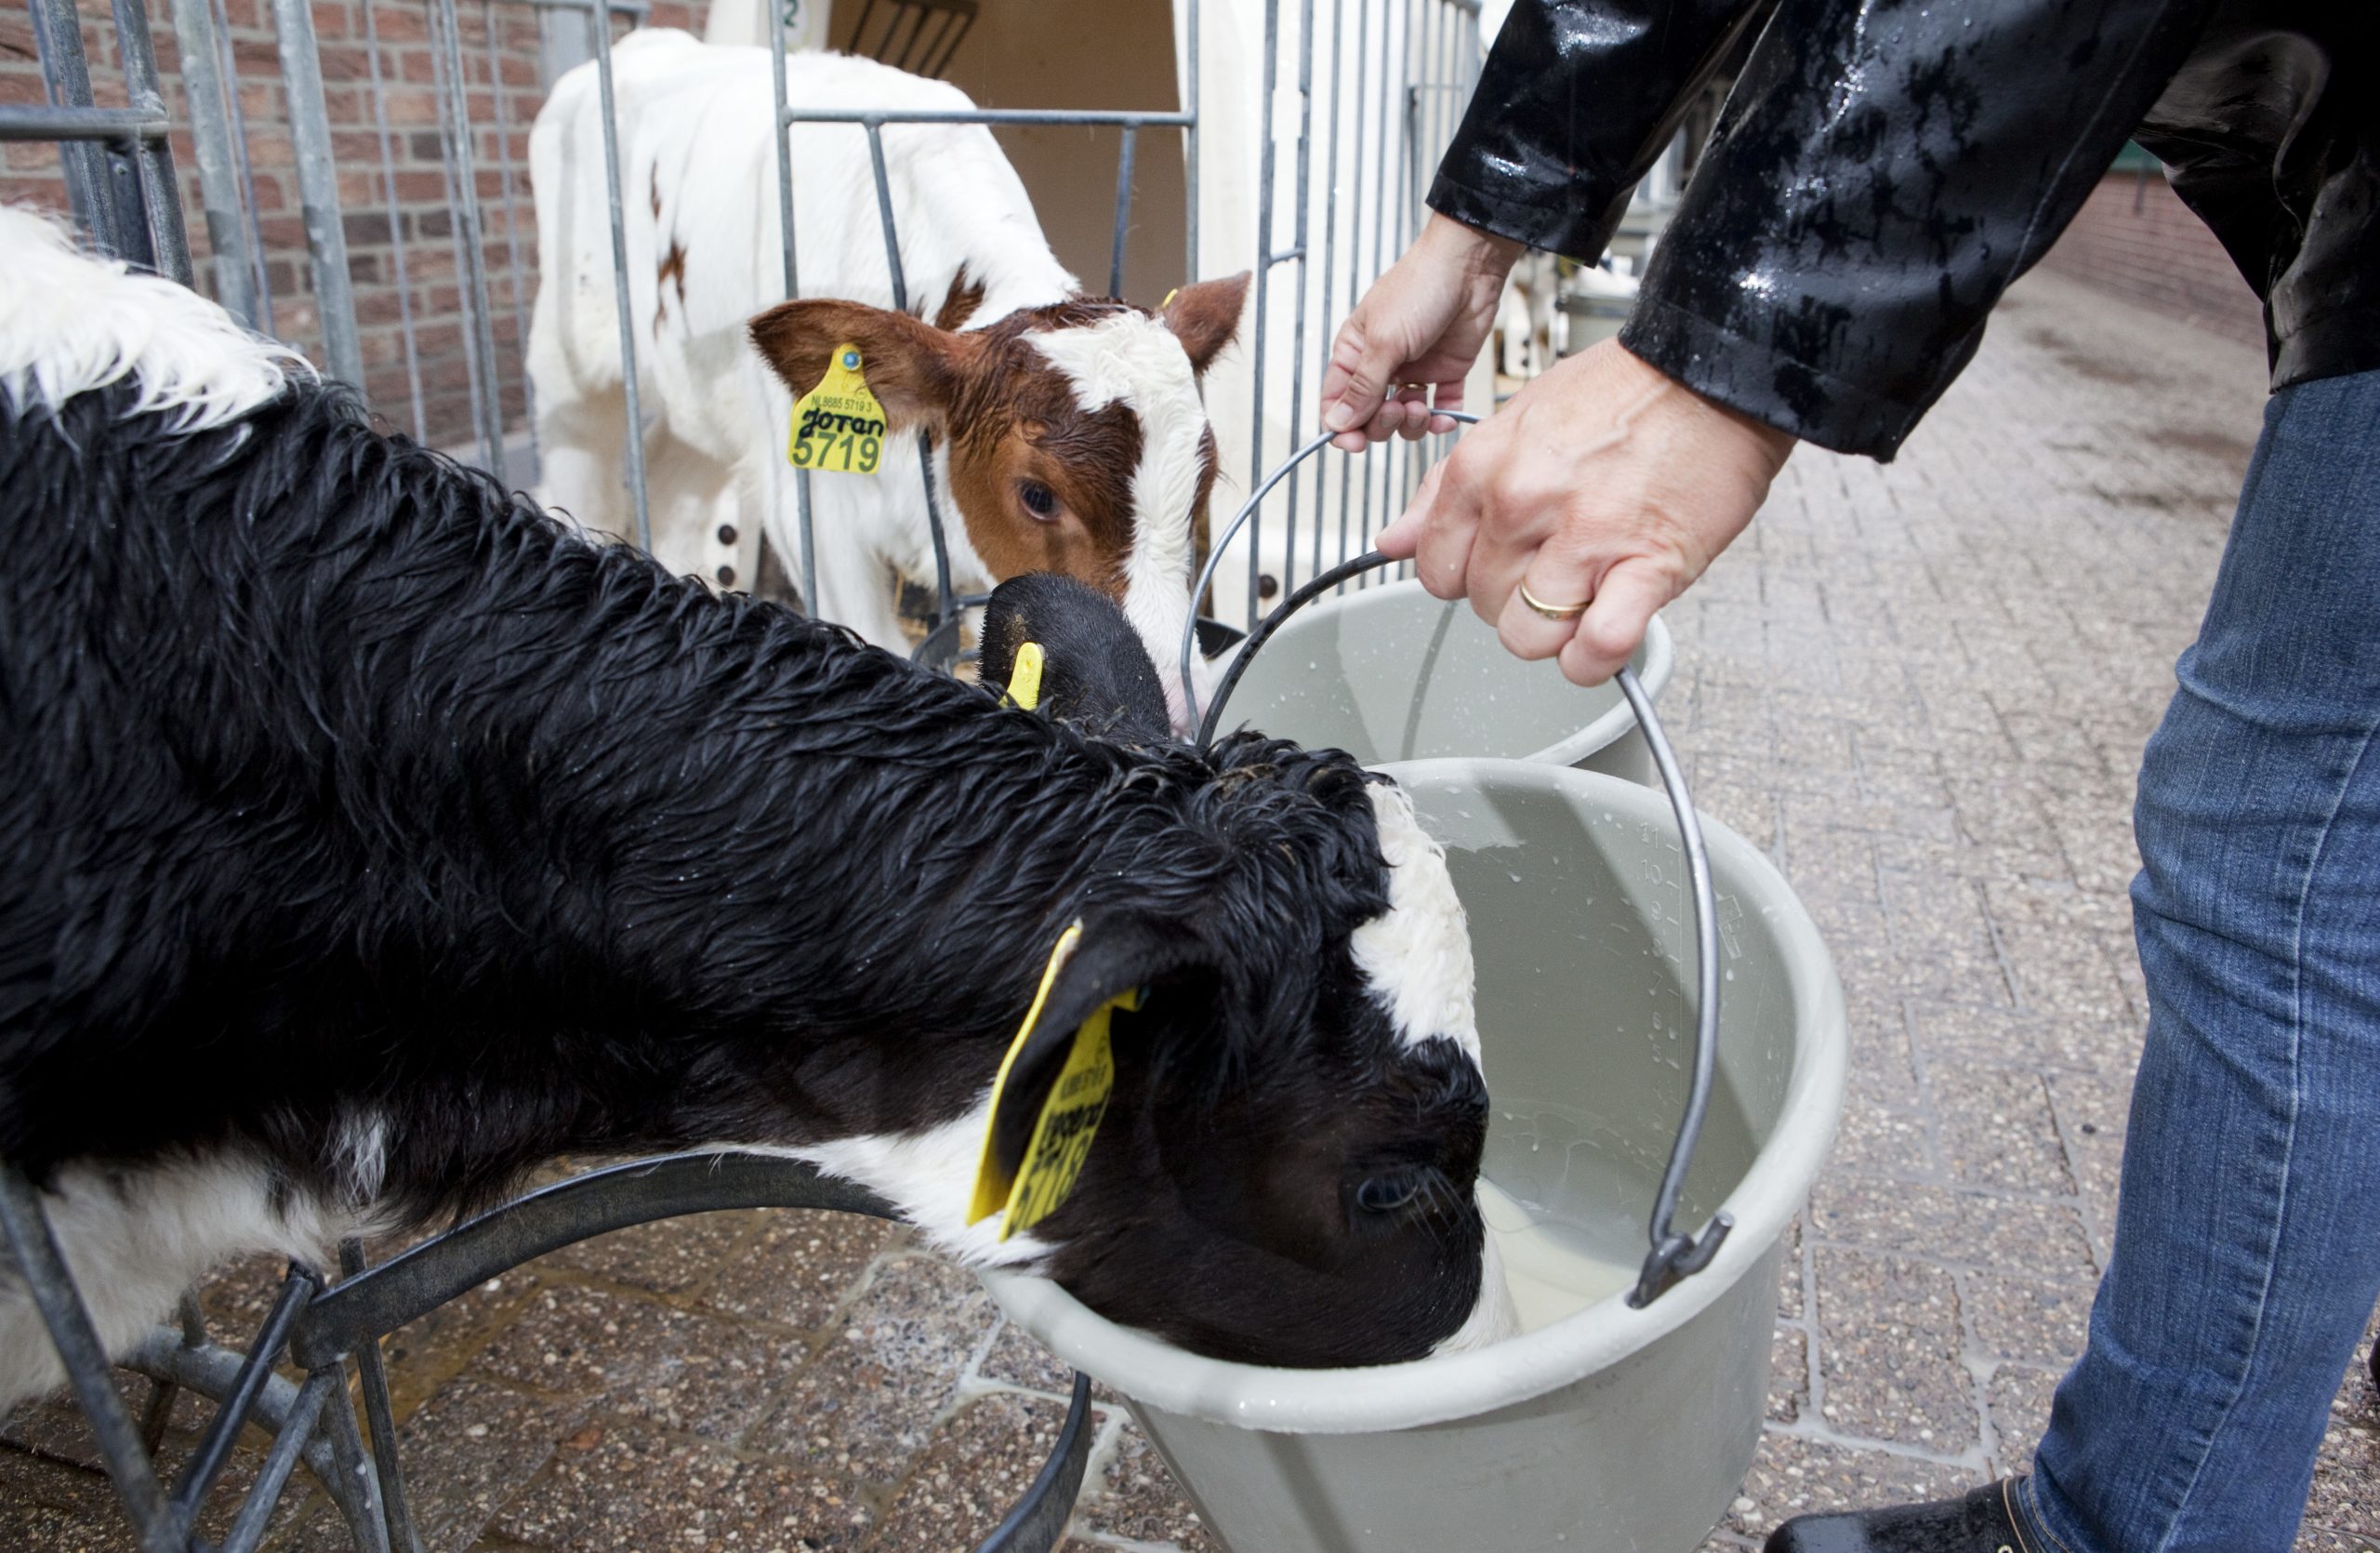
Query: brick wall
[(501, 46), (2136, 239)]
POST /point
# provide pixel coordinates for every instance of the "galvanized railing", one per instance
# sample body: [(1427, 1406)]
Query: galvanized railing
[(325, 1326)]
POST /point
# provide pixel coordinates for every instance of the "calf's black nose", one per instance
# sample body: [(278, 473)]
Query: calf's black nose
[(1095, 673)]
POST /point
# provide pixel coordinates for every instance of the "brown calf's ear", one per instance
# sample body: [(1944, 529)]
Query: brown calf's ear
[(913, 368), (1205, 315)]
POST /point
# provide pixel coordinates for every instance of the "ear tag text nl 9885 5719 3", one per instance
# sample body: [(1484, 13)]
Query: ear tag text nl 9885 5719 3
[(1062, 1136), (837, 427)]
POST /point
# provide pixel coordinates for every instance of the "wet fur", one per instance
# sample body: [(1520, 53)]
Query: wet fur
[(348, 791)]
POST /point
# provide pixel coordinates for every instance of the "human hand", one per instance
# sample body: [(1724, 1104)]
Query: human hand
[(1604, 480), (1419, 326)]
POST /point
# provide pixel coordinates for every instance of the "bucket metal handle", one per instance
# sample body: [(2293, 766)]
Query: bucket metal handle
[(1673, 1255)]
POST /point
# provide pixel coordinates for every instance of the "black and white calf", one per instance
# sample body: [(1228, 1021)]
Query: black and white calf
[(367, 838)]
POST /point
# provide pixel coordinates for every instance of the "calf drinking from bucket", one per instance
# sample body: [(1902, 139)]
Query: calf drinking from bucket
[(368, 838), (1069, 431)]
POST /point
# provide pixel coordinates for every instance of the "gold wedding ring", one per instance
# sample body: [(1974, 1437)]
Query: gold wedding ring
[(1551, 611)]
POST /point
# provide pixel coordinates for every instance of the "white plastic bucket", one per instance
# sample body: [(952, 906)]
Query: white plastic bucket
[(1609, 1428), (1391, 673)]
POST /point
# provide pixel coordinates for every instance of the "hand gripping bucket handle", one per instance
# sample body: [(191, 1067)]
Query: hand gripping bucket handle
[(1673, 1255)]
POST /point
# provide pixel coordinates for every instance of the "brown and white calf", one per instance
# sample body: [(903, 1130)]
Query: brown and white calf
[(1069, 435)]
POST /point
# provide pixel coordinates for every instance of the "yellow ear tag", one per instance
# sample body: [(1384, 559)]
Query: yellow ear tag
[(1024, 680), (837, 427), (1060, 1142)]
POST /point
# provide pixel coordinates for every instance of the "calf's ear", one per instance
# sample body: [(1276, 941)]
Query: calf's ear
[(913, 368), (1115, 953), (1205, 315)]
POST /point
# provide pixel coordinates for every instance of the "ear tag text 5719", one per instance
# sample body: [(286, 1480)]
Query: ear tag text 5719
[(837, 427), (1062, 1135)]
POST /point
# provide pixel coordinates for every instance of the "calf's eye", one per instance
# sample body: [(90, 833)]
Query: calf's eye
[(1386, 1194), (1039, 498)]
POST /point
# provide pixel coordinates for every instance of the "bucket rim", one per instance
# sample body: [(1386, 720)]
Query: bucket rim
[(1452, 1387), (1655, 663)]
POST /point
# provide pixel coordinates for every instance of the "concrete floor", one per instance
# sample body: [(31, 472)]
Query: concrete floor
[(1923, 688)]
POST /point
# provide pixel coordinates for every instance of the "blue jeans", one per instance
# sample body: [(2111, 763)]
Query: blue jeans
[(2247, 1245)]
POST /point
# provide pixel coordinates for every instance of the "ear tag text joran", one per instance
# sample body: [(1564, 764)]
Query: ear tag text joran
[(837, 427), (1069, 1119)]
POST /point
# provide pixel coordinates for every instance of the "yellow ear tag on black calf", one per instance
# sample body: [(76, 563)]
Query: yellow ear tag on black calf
[(1024, 680), (1060, 1142), (837, 427)]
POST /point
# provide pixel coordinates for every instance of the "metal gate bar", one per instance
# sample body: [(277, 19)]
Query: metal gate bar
[(301, 77), (1378, 152), (117, 162), (323, 1329)]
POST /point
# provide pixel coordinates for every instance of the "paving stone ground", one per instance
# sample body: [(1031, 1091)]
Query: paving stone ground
[(1923, 688)]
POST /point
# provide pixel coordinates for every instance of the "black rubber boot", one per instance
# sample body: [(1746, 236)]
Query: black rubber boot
[(1982, 1522)]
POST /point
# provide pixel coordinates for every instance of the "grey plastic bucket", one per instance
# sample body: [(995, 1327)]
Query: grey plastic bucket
[(1609, 1428), (1393, 674)]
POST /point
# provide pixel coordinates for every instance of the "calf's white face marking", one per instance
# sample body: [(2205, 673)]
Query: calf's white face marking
[(1416, 958), (1133, 358), (1417, 954)]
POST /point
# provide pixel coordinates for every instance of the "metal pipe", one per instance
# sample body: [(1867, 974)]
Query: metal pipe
[(1354, 258), (301, 78), (43, 122), (1380, 257), (456, 233), (352, 1472), (215, 1446), (805, 530), (264, 1496), (1329, 238), (161, 203), (396, 220), (942, 593), (1264, 290), (470, 239), (25, 1227), (635, 438), (1190, 146), (1093, 118), (1672, 1256), (416, 1280), (511, 222), (229, 69), (1123, 211), (1296, 409), (208, 1370), (89, 163), (219, 187), (372, 1375)]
